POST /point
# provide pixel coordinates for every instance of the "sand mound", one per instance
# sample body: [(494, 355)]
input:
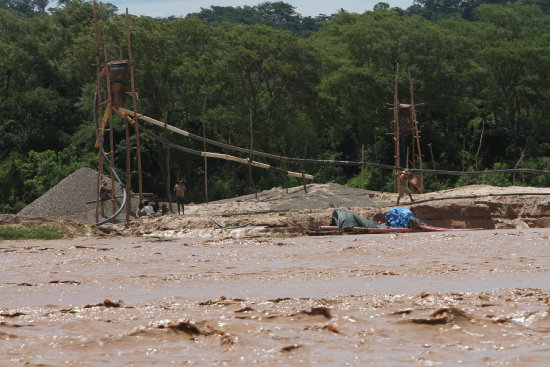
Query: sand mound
[(68, 199)]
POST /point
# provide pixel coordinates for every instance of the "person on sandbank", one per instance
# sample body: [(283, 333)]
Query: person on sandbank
[(179, 190), (403, 181)]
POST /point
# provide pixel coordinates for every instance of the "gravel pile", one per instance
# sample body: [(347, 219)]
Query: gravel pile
[(68, 199)]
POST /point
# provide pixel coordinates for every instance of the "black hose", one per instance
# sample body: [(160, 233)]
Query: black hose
[(111, 168), (224, 227)]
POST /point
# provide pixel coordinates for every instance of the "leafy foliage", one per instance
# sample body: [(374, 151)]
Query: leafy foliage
[(40, 233)]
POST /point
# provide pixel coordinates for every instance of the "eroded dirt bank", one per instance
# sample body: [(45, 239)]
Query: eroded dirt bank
[(470, 298), (276, 212), (291, 212)]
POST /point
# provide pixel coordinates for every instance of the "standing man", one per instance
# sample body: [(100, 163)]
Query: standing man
[(179, 191), (403, 189)]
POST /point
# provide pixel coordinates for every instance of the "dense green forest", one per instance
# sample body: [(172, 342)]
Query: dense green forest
[(268, 78)]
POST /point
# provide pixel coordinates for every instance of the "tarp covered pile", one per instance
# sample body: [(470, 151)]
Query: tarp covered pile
[(345, 219), (401, 218)]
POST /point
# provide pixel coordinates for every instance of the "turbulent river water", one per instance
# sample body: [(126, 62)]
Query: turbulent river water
[(469, 298)]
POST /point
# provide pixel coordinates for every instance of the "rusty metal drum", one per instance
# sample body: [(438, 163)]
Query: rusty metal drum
[(118, 75)]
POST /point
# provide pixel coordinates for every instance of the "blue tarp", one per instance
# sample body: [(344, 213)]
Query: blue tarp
[(400, 218)]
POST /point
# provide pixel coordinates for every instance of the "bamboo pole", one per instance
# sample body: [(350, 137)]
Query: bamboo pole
[(168, 162), (98, 91), (362, 167), (204, 149), (463, 158), (479, 146), (396, 124), (250, 155), (108, 111), (433, 164), (303, 172), (516, 166), (134, 105), (284, 165), (228, 157), (415, 130)]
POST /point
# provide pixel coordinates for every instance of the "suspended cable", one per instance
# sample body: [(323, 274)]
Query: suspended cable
[(323, 161), (224, 156)]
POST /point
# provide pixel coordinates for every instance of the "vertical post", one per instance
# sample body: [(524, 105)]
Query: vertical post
[(167, 160), (250, 156), (112, 158), (433, 164), (415, 131), (463, 159), (479, 147), (109, 107), (396, 124), (284, 155), (98, 91), (303, 172), (413, 145), (204, 150), (134, 99), (516, 167), (362, 167), (110, 117)]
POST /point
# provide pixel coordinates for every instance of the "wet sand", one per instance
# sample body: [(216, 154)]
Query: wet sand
[(468, 298)]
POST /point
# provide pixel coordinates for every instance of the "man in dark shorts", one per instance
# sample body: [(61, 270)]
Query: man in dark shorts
[(179, 191), (403, 180)]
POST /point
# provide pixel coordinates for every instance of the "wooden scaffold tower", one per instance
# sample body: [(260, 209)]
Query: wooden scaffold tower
[(404, 124), (112, 77)]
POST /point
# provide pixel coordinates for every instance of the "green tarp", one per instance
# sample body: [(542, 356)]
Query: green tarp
[(345, 219)]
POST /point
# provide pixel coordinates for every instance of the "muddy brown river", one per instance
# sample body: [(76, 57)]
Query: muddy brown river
[(427, 299)]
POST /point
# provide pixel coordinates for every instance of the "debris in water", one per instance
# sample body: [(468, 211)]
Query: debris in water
[(106, 303), (290, 348), (319, 311), (220, 301), (403, 312), (246, 309), (277, 300), (442, 316), (11, 315), (185, 326), (332, 328)]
